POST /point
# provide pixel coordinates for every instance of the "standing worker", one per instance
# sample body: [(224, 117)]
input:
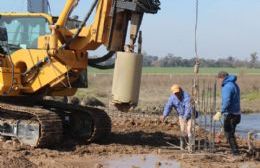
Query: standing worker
[(230, 108), (181, 102)]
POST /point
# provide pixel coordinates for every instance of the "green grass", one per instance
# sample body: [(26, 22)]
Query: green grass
[(186, 70), (251, 96)]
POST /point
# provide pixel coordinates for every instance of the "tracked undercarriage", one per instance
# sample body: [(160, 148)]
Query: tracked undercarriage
[(46, 122)]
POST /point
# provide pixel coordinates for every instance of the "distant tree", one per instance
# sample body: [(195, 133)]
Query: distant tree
[(253, 59), (149, 60), (170, 60), (231, 61)]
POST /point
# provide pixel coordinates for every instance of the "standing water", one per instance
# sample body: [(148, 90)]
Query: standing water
[(141, 161), (249, 122)]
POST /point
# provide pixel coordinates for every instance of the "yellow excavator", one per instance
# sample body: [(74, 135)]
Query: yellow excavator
[(42, 55)]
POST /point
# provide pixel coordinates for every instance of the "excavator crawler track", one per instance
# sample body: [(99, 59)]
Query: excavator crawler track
[(50, 132), (101, 122), (48, 121)]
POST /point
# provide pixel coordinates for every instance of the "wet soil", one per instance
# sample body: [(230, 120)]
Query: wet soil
[(138, 135)]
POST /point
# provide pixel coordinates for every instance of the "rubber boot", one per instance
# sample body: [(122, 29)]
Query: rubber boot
[(182, 143), (234, 146)]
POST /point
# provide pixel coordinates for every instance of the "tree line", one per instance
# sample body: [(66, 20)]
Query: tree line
[(170, 60)]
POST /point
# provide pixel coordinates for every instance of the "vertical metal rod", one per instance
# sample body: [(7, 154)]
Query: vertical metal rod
[(211, 116), (193, 100), (204, 113), (207, 111), (140, 42), (214, 111), (198, 109), (193, 113)]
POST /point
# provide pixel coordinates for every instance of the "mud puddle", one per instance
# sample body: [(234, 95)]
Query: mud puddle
[(141, 161)]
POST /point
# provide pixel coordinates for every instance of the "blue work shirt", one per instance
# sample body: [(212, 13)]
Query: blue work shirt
[(183, 108), (230, 96)]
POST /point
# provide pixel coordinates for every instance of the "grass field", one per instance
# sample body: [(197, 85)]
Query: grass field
[(156, 82), (186, 70)]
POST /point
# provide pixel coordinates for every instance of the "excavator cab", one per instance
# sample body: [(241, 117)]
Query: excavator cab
[(23, 31)]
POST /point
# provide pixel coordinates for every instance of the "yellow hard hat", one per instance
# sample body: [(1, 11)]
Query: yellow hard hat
[(175, 88)]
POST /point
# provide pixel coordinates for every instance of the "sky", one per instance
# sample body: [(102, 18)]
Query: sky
[(225, 28)]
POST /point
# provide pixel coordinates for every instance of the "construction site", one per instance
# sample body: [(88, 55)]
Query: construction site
[(60, 106)]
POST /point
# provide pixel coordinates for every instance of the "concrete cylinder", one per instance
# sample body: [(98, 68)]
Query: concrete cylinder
[(127, 78)]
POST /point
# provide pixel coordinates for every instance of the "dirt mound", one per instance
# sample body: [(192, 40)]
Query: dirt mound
[(149, 109), (91, 101), (85, 101), (16, 161)]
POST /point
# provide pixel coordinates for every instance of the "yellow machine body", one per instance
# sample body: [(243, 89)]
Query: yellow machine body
[(53, 74), (6, 81), (40, 64)]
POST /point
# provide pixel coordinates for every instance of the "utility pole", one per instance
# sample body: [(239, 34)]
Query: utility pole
[(38, 6)]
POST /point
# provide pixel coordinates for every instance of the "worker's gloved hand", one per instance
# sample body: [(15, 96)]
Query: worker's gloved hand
[(217, 116), (162, 118)]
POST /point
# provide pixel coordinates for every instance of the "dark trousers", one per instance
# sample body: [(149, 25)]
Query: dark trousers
[(230, 123)]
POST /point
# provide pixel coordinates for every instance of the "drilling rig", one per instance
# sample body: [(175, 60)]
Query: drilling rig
[(40, 55)]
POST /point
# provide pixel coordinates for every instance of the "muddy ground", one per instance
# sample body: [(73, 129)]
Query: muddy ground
[(131, 134)]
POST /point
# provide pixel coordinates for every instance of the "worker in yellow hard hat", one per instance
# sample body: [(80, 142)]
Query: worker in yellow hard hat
[(181, 102)]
